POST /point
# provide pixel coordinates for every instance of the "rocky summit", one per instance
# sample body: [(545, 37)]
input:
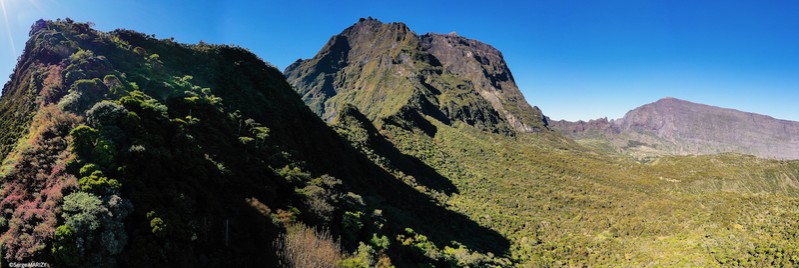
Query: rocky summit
[(384, 69), (674, 126)]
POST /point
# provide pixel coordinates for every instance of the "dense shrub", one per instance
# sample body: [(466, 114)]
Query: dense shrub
[(35, 184), (302, 246), (97, 228)]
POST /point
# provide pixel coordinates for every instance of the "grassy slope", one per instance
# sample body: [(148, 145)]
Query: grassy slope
[(562, 204)]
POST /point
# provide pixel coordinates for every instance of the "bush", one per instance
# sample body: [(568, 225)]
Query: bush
[(83, 94), (157, 225), (304, 247), (97, 183), (363, 258), (65, 247), (97, 225), (82, 212), (84, 138), (105, 113)]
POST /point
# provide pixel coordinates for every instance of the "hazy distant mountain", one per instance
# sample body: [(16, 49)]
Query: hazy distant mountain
[(674, 126), (385, 68)]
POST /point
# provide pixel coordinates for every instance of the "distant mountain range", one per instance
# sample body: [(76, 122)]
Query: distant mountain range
[(674, 126)]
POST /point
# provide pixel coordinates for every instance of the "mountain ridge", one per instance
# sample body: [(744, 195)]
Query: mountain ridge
[(131, 150), (682, 127)]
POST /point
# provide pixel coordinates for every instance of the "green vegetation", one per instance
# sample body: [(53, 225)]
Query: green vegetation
[(152, 153), (564, 205), (125, 149)]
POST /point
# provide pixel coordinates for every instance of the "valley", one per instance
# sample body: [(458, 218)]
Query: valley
[(387, 148)]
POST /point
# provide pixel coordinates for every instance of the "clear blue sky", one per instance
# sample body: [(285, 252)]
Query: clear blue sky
[(574, 59)]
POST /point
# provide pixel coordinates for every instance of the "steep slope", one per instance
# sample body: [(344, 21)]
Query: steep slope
[(558, 203), (484, 66), (382, 68), (134, 151), (674, 126), (149, 153)]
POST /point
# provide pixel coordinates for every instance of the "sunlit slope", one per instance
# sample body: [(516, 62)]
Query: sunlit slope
[(560, 203)]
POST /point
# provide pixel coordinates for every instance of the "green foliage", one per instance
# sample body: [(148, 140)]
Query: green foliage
[(83, 94), (352, 221), (84, 139), (294, 175), (150, 131), (157, 225), (105, 114), (380, 242), (88, 144), (98, 184), (168, 140), (103, 153), (321, 196), (142, 103), (565, 205), (88, 169), (65, 246), (97, 225), (82, 212), (364, 257)]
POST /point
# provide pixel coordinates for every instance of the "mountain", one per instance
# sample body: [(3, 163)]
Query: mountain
[(384, 68), (389, 93), (124, 150), (674, 126)]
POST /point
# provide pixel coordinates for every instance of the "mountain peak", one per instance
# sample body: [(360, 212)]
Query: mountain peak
[(382, 67), (673, 100), (371, 26)]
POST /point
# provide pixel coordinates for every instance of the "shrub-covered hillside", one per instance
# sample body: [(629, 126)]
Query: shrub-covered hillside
[(557, 202), (121, 149)]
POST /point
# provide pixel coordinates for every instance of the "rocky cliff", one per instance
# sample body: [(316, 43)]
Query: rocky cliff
[(381, 68)]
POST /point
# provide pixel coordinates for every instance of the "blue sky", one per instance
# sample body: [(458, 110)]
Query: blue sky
[(574, 59)]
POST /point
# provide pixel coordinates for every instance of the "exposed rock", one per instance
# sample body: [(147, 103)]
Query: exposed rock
[(381, 68), (578, 128), (484, 66)]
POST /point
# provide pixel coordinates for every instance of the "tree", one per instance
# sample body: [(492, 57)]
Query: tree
[(96, 225), (105, 113), (65, 246), (84, 138), (304, 247), (97, 183)]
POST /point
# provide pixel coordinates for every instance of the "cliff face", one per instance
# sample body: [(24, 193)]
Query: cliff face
[(675, 126), (484, 66), (381, 68), (579, 128)]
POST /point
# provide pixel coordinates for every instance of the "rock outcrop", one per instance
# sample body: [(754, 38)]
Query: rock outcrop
[(381, 68)]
